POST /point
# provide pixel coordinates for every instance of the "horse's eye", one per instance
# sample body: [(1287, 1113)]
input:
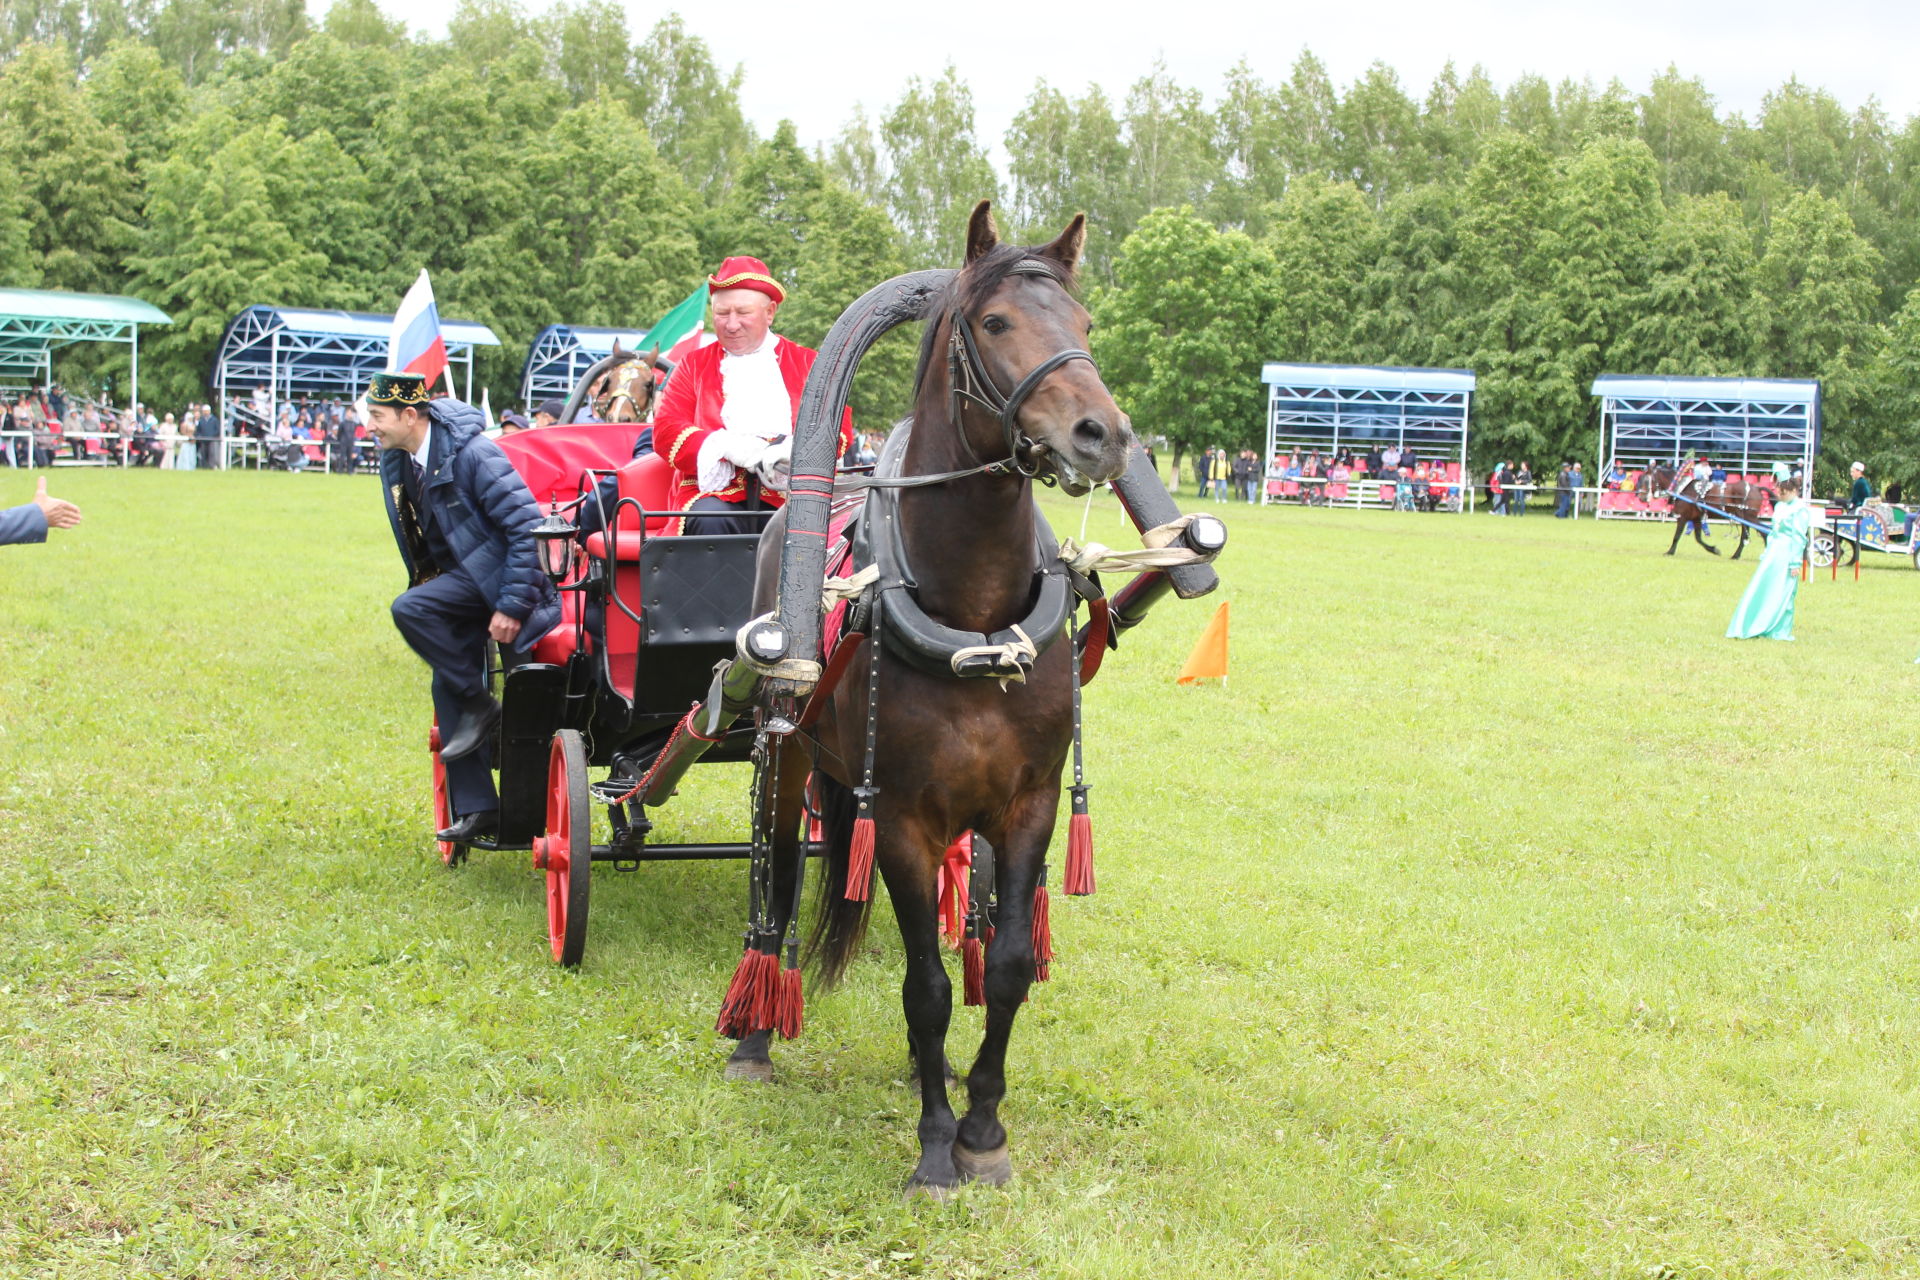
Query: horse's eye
[(994, 324)]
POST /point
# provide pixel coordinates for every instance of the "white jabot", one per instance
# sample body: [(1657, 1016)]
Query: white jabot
[(754, 409)]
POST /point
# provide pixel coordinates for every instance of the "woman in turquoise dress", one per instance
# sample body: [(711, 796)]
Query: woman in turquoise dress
[(1767, 607)]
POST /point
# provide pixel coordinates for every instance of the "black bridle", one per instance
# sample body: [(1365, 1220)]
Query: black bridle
[(971, 381)]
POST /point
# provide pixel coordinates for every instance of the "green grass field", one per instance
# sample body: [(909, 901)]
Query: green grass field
[(1497, 918)]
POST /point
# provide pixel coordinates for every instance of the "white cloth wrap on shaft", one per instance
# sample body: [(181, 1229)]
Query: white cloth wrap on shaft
[(755, 409)]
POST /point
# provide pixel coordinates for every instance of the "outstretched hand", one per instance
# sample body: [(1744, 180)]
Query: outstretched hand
[(60, 513)]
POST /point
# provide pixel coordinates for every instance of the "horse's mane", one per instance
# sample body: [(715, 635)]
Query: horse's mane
[(974, 282)]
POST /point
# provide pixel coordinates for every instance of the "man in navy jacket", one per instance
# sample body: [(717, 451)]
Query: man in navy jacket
[(463, 519), (30, 521)]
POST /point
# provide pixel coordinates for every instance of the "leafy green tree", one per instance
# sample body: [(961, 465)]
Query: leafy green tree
[(1883, 437), (359, 24), (1677, 120), (1322, 237), (482, 32), (1606, 214), (690, 108), (1379, 135), (1307, 138), (592, 47), (19, 269), (855, 159), (326, 83), (1529, 110), (1246, 141), (1816, 295), (216, 241), (936, 168), (1696, 316), (1458, 116), (87, 27), (136, 95), (198, 36), (69, 171), (1169, 143), (1180, 336), (1067, 157), (1411, 296)]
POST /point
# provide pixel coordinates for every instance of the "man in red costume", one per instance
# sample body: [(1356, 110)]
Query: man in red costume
[(725, 421)]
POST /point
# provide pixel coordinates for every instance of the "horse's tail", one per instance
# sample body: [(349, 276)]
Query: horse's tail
[(838, 924)]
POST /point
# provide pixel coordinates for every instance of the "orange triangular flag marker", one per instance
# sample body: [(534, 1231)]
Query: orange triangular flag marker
[(1209, 657)]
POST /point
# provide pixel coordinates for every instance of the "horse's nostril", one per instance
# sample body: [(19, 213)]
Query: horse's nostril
[(1089, 433)]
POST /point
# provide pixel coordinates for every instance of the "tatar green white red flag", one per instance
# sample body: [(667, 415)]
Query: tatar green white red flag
[(684, 329)]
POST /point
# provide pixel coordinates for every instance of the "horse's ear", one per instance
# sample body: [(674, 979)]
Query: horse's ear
[(1066, 248), (618, 353), (982, 235), (648, 358)]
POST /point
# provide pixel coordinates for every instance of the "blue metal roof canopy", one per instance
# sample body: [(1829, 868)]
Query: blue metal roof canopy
[(297, 352), (1334, 406), (1744, 424), (562, 352), (35, 321)]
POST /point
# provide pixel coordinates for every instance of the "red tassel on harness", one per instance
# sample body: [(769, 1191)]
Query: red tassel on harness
[(1079, 879), (860, 861), (1042, 933), (749, 1003), (973, 971), (952, 887), (789, 1005)]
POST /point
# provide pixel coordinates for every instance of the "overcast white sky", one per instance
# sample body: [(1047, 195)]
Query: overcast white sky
[(812, 63)]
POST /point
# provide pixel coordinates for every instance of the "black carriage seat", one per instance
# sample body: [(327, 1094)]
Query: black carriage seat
[(676, 600)]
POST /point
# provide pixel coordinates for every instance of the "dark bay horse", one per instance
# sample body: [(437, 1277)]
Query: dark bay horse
[(956, 754), (620, 387), (1735, 497)]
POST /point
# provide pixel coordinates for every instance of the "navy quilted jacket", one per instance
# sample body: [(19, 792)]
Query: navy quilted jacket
[(483, 507)]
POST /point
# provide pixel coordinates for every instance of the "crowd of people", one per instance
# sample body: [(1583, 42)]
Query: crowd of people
[(1315, 478)]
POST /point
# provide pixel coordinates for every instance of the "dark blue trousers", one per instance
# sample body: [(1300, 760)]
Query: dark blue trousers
[(445, 621), (716, 516)]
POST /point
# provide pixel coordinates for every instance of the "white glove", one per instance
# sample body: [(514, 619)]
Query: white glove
[(721, 452), (775, 466)]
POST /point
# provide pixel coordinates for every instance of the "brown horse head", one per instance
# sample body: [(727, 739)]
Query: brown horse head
[(1024, 385), (625, 392)]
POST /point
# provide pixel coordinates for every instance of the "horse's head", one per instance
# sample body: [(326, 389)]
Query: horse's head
[(1023, 384), (624, 393)]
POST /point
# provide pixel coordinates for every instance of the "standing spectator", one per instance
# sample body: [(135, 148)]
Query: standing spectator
[(57, 402), (1200, 462), (207, 433), (1497, 490), (1563, 492), (1522, 489), (1576, 480), (1240, 472)]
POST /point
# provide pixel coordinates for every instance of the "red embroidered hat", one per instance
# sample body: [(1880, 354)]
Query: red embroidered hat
[(746, 273)]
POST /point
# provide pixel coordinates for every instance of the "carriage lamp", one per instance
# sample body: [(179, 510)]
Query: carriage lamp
[(554, 537)]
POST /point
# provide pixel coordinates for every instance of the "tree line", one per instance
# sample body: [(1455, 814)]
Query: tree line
[(210, 154)]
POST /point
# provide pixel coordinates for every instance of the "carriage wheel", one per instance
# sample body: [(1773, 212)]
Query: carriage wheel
[(450, 853), (565, 852), (1823, 548)]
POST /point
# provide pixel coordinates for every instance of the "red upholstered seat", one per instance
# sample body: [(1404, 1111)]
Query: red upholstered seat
[(554, 461), (558, 644)]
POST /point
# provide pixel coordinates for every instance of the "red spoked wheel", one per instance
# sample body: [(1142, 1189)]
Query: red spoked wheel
[(450, 853), (565, 851)]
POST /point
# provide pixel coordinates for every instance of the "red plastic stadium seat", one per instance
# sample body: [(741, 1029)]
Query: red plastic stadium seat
[(1387, 492)]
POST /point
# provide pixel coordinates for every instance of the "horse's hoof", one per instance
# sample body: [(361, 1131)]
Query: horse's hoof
[(993, 1167), (919, 1191), (749, 1070)]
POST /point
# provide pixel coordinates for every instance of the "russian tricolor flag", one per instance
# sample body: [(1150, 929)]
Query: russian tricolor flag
[(415, 346)]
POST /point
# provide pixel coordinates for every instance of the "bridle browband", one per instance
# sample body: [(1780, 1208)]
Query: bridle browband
[(971, 381)]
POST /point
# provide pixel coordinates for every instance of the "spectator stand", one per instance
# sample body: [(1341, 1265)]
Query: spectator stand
[(315, 354), (1331, 407), (562, 352), (35, 322), (1743, 425)]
